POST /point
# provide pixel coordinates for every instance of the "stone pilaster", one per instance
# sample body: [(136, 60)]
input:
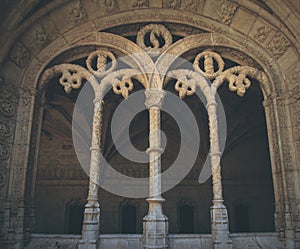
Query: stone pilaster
[(279, 182), (155, 225), (91, 222), (283, 131), (219, 214), (294, 107), (14, 228), (8, 108)]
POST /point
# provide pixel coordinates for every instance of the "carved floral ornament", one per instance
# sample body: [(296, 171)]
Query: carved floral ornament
[(208, 70)]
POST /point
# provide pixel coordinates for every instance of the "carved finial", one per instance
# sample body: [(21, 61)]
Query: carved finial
[(209, 70), (156, 31), (104, 61)]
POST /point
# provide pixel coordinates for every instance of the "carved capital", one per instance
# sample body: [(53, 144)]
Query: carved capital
[(154, 98)]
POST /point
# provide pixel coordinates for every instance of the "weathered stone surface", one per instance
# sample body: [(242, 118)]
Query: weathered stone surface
[(47, 33)]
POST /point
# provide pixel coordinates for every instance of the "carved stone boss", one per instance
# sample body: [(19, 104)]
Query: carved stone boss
[(208, 78)]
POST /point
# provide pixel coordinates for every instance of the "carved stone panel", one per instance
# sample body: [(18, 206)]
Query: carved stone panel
[(41, 35), (226, 12), (190, 5), (270, 38), (140, 3), (8, 106), (4, 151), (172, 4), (278, 45), (111, 6), (262, 33), (20, 55), (75, 10), (6, 128)]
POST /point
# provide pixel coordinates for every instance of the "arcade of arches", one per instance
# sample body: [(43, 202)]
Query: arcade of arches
[(242, 56)]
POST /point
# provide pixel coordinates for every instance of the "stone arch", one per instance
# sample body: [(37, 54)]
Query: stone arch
[(268, 84), (33, 62), (212, 40), (88, 23)]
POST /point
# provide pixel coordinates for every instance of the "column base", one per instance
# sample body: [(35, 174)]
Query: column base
[(91, 226), (220, 226), (155, 226), (91, 244)]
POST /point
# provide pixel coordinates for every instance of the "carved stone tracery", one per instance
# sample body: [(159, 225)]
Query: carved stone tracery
[(102, 70)]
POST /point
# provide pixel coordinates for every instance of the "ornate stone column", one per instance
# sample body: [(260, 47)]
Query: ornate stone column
[(155, 222), (219, 215), (91, 222)]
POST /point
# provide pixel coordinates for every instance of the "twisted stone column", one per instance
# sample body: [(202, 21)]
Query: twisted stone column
[(91, 222), (219, 215), (155, 222)]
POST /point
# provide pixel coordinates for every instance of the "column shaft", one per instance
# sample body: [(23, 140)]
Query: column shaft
[(219, 215), (155, 223), (91, 222)]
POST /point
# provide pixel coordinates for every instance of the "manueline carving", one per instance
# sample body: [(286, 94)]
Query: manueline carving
[(278, 45), (140, 3), (226, 12)]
